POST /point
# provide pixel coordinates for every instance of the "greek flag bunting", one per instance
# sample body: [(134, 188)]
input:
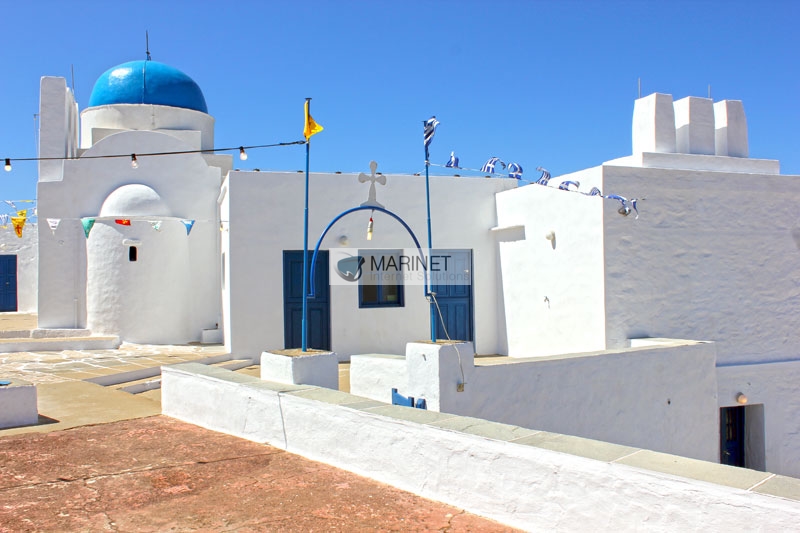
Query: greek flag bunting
[(514, 170), (453, 161), (490, 164), (565, 185)]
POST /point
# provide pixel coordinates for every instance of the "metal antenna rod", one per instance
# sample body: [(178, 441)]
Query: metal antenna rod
[(147, 44)]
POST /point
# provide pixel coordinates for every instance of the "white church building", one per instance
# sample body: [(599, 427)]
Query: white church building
[(675, 328)]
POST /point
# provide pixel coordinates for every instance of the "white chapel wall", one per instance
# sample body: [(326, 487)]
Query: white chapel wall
[(265, 212), (553, 289), (773, 386), (713, 256), (185, 182)]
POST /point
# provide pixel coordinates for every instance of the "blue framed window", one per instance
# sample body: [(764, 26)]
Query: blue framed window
[(388, 290)]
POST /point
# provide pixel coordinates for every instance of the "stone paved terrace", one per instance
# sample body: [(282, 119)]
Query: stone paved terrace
[(55, 366)]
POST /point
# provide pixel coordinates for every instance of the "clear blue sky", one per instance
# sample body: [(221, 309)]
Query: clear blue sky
[(540, 83)]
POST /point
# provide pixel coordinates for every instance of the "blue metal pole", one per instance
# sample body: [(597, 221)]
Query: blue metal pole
[(304, 323), (430, 243)]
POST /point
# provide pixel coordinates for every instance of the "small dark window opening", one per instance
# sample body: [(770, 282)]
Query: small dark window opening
[(132, 253)]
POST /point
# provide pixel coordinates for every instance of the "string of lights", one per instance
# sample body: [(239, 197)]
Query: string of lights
[(134, 157)]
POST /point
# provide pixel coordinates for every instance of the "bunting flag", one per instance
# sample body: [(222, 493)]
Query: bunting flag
[(22, 213), (189, 224), (311, 127), (428, 131), (156, 224), (636, 209), (19, 223), (624, 209), (544, 178), (453, 161), (87, 225), (565, 185), (123, 221), (594, 192), (515, 171), (3, 219), (9, 202), (53, 223), (490, 164)]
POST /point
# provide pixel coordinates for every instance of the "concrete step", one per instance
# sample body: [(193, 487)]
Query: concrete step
[(57, 344), (149, 372), (147, 379)]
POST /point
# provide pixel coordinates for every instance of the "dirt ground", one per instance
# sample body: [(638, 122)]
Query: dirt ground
[(160, 474)]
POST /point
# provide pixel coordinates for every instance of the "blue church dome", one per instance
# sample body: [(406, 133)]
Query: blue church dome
[(147, 82)]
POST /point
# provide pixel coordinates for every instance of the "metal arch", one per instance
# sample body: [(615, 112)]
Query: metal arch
[(364, 208)]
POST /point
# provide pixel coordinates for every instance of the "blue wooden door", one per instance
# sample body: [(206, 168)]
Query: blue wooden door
[(319, 311), (732, 436), (455, 301), (8, 282)]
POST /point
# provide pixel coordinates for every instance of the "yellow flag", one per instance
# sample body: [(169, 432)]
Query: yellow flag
[(311, 127), (23, 214), (19, 223)]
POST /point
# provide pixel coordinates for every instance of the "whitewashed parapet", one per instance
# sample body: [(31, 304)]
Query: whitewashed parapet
[(528, 479)]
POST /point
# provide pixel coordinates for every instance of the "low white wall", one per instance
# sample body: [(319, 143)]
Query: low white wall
[(377, 375), (27, 251), (775, 387), (520, 485), (659, 398)]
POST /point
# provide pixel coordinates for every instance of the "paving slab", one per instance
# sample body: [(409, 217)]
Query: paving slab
[(159, 474), (70, 404)]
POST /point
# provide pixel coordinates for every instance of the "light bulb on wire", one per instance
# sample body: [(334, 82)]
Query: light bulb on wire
[(8, 165), (134, 162), (242, 153)]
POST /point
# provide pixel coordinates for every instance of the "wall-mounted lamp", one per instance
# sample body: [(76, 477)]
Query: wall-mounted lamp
[(624, 210), (343, 240), (369, 229), (741, 398)]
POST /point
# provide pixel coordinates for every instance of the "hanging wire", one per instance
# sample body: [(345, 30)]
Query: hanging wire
[(151, 154)]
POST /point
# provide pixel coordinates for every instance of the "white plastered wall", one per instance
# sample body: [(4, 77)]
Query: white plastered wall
[(186, 183), (661, 398), (58, 126), (265, 211), (553, 289), (98, 122), (713, 256), (773, 386), (26, 250)]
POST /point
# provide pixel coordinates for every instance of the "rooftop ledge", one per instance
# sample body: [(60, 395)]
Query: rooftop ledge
[(712, 163), (188, 387)]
